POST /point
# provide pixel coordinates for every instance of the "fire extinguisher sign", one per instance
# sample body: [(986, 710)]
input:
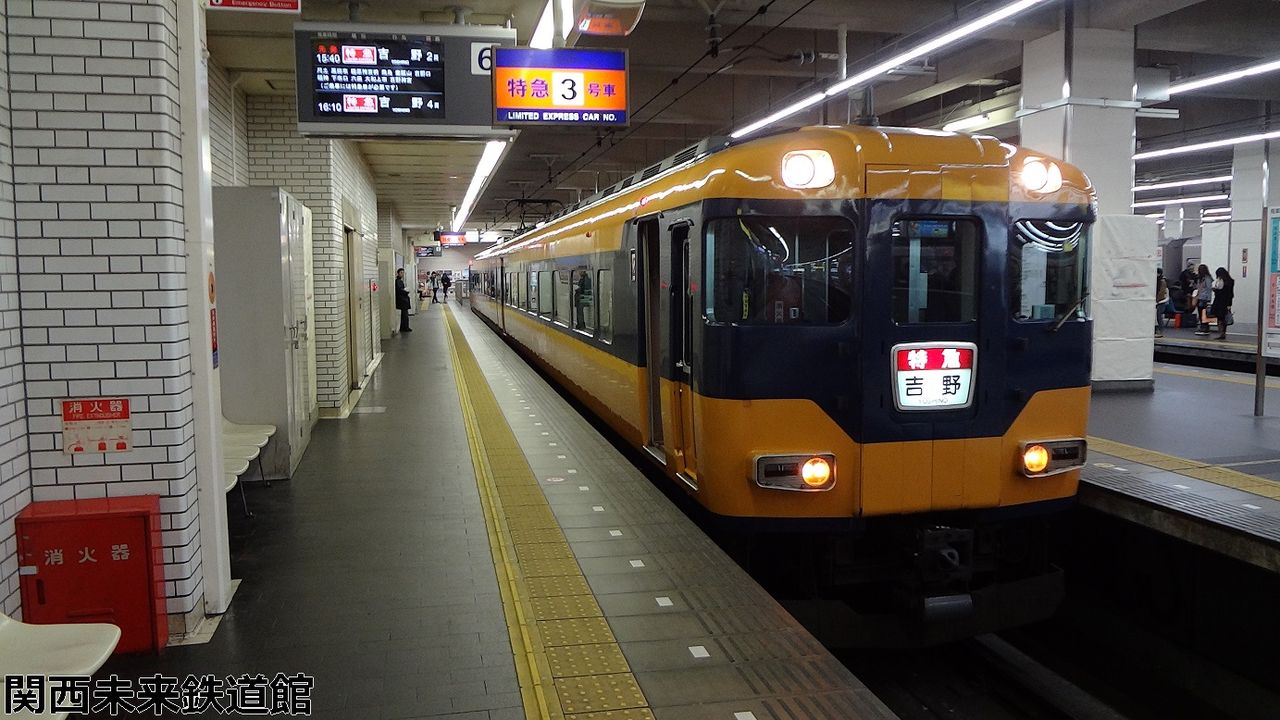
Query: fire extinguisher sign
[(96, 425)]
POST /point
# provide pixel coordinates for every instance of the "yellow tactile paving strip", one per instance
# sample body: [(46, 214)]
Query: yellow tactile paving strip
[(567, 660), (1191, 468)]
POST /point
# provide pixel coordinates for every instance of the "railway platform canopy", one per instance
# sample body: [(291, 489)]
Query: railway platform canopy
[(528, 570)]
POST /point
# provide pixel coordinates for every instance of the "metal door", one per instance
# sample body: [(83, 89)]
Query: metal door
[(652, 304), (685, 317)]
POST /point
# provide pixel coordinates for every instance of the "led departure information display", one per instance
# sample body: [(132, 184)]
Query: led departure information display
[(374, 77), (420, 81)]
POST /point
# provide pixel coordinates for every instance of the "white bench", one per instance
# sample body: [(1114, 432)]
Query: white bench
[(235, 462), (241, 445), (63, 649)]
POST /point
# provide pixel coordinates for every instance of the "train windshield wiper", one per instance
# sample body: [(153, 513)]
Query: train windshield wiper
[(1065, 316)]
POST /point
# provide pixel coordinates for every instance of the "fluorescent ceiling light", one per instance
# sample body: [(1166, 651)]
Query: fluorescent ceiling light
[(1181, 201), (1183, 183), (1216, 211), (1211, 145), (970, 122), (915, 53), (493, 151), (1226, 77), (543, 33)]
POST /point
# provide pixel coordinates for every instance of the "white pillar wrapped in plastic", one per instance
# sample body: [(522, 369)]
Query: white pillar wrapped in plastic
[(1122, 301)]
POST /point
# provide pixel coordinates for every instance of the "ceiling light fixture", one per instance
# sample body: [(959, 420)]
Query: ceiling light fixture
[(544, 33), (1226, 77), (968, 123), (915, 53), (1210, 145), (1180, 201), (1216, 211), (1183, 183), (493, 151)]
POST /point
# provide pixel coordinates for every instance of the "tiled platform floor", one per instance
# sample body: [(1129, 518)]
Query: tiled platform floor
[(372, 569)]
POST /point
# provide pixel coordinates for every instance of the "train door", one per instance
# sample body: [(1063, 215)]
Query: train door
[(651, 284), (685, 316), (670, 259), (500, 293)]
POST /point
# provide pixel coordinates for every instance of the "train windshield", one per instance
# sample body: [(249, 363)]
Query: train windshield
[(1048, 267), (779, 270), (935, 270)]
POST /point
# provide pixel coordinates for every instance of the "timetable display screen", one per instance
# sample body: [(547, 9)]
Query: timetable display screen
[(373, 77)]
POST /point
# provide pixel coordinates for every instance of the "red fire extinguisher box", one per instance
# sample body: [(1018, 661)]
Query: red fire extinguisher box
[(98, 560)]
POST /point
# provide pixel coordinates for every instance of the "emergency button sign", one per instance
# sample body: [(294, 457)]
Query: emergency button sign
[(934, 376)]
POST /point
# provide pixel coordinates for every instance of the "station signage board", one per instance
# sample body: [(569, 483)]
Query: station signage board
[(1271, 280), (563, 86), (426, 251), (416, 81), (276, 6), (451, 239)]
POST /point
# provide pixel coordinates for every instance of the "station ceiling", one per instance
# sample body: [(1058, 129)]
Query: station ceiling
[(762, 60)]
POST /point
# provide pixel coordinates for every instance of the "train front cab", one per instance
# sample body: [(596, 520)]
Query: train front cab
[(787, 331)]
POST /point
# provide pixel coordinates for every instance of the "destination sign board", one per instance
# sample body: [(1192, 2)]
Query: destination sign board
[(564, 86), (420, 81), (372, 75)]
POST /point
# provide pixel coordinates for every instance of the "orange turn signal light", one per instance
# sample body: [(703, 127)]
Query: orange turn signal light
[(1035, 459), (816, 472)]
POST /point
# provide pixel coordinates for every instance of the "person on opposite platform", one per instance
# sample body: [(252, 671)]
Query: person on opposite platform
[(1224, 293), (1203, 297), (1162, 299)]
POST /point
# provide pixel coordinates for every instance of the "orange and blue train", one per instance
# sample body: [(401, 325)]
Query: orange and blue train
[(879, 335)]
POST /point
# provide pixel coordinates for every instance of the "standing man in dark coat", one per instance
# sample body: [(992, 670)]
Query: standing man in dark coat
[(402, 301)]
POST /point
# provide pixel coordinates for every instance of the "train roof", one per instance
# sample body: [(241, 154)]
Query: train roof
[(875, 144)]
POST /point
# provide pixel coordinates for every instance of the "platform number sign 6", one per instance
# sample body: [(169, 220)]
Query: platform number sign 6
[(569, 89), (481, 58)]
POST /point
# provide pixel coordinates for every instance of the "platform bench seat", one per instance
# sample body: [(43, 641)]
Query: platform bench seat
[(62, 649)]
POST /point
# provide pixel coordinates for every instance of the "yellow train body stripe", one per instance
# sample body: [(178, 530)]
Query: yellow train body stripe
[(568, 662), (716, 441)]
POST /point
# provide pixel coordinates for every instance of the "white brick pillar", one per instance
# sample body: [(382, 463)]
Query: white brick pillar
[(102, 255), (197, 179), (15, 478)]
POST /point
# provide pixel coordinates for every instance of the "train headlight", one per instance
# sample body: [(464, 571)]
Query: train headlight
[(808, 169), (816, 472), (1041, 176), (1041, 458), (1035, 459), (806, 473)]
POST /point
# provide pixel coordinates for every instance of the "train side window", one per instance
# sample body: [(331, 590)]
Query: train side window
[(531, 292), (604, 304), (562, 307), (583, 301), (779, 270), (935, 270), (546, 294), (1049, 269)]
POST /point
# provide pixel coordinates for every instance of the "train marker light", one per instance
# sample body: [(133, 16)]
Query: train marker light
[(1042, 458), (808, 169), (811, 472), (1035, 459), (1041, 176), (816, 472)]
